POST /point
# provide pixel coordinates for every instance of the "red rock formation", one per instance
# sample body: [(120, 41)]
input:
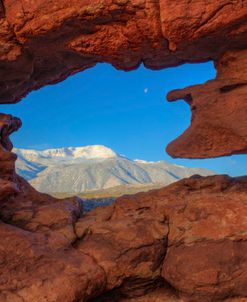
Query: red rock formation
[(186, 242), (43, 42), (219, 112), (8, 183), (22, 205)]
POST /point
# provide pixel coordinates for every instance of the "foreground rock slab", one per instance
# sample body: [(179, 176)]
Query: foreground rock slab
[(186, 241)]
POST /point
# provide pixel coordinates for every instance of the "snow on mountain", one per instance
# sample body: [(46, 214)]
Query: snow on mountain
[(141, 161), (76, 170), (69, 154)]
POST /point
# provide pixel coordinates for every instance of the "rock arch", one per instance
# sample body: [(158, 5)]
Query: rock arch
[(46, 41), (135, 249)]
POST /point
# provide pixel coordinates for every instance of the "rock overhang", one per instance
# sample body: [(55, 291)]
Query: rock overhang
[(48, 250), (43, 42)]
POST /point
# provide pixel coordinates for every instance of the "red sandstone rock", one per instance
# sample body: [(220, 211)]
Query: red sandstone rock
[(50, 40), (219, 111), (196, 29), (186, 242), (190, 235), (8, 185), (159, 295), (42, 42)]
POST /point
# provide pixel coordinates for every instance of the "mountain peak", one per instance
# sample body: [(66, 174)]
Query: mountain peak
[(96, 167), (69, 153), (91, 152)]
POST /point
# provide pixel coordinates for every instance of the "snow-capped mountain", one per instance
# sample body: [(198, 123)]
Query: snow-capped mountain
[(76, 170), (70, 154)]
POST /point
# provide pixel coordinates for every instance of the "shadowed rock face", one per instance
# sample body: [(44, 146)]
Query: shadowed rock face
[(219, 112), (185, 242), (8, 184), (42, 42)]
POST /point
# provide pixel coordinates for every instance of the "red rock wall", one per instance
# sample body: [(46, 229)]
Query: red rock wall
[(186, 242), (8, 183), (219, 112), (43, 42)]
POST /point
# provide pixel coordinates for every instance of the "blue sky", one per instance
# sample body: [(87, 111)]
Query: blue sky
[(127, 112)]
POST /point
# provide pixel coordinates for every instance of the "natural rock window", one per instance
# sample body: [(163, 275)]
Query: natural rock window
[(185, 242)]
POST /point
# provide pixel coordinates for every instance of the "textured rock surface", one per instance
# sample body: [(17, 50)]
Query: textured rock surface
[(219, 112), (8, 185), (43, 42), (186, 242), (164, 245)]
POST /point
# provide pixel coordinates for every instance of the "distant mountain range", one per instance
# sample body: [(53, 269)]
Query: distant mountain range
[(82, 169)]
